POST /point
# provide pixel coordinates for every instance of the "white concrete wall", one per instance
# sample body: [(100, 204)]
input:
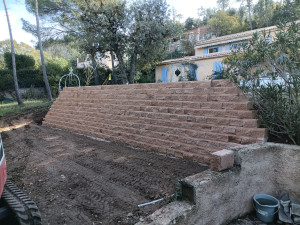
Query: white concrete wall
[(222, 196)]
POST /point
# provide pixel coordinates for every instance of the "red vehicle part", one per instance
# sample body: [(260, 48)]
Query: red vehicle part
[(13, 202), (2, 167)]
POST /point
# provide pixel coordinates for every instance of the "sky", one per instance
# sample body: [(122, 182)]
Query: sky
[(17, 10)]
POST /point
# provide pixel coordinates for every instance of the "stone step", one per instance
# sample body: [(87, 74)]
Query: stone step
[(155, 96), (165, 126), (174, 97), (162, 146), (151, 131), (164, 91), (210, 130), (249, 123), (189, 84), (176, 104), (239, 114)]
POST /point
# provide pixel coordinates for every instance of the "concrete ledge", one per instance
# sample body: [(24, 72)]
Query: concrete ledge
[(220, 197), (173, 213)]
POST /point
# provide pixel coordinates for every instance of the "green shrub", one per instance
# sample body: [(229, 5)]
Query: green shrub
[(26, 79), (22, 61), (278, 103)]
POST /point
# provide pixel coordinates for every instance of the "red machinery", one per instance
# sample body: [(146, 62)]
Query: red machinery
[(2, 167), (16, 208)]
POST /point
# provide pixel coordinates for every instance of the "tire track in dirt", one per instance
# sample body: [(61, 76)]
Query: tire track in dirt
[(77, 180)]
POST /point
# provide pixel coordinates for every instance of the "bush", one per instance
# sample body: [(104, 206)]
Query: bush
[(22, 61), (278, 100), (26, 79)]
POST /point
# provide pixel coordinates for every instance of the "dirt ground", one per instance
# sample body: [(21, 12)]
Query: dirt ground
[(79, 180)]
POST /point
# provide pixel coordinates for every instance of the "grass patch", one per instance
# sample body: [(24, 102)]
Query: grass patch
[(13, 108)]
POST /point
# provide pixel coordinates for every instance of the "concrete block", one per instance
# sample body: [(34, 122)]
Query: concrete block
[(222, 160)]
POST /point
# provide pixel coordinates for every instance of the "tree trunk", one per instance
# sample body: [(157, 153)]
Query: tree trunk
[(249, 10), (95, 69), (132, 67), (113, 68), (45, 77), (266, 12), (15, 77), (122, 67)]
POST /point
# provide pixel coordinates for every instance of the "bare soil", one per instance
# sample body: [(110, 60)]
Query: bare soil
[(75, 179)]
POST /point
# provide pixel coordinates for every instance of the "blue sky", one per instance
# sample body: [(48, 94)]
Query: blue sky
[(17, 10)]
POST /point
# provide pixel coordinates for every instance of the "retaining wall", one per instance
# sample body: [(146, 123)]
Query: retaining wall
[(189, 120), (220, 197)]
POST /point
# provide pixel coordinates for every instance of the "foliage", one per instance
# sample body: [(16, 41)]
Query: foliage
[(263, 12), (205, 14), (223, 4), (278, 103), (66, 48), (56, 67), (190, 23), (222, 24), (137, 30), (26, 78), (177, 53), (22, 61), (21, 49), (2, 63), (287, 12), (13, 108)]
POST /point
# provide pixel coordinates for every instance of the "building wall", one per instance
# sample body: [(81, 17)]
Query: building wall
[(200, 51), (204, 70)]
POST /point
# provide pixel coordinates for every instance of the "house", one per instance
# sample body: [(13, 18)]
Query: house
[(209, 54), (193, 35), (103, 61)]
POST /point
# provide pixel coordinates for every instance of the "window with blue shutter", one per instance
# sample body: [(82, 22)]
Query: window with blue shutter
[(215, 49), (192, 73), (164, 74), (228, 47), (270, 39), (205, 51), (217, 70)]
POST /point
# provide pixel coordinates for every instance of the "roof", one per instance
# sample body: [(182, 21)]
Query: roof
[(232, 37), (235, 37), (195, 58)]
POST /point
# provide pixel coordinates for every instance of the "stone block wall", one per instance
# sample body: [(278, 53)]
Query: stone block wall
[(186, 119)]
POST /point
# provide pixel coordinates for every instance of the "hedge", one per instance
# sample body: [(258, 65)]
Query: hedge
[(26, 79)]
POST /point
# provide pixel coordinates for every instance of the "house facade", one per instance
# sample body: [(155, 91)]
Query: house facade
[(104, 61), (193, 35), (209, 54)]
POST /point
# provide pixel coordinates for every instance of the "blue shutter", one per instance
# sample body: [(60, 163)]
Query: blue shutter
[(205, 51), (228, 47), (220, 49), (270, 39), (218, 67), (192, 73), (196, 71), (164, 74)]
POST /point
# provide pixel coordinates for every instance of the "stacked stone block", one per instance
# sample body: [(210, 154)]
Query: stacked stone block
[(189, 120)]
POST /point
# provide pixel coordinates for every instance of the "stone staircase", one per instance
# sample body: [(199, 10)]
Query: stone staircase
[(186, 119)]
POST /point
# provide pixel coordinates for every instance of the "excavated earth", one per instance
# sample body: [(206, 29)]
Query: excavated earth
[(75, 179)]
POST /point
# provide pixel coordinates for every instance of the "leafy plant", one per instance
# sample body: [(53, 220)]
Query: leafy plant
[(277, 98)]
